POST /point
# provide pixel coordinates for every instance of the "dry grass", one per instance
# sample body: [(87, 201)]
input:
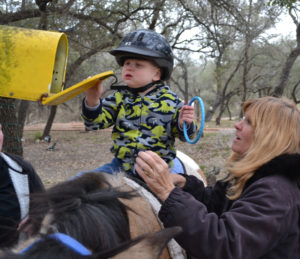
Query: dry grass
[(77, 151)]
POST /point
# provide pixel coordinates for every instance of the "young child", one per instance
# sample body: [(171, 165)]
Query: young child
[(145, 113)]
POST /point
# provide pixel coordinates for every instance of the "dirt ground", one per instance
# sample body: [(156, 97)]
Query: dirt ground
[(77, 150)]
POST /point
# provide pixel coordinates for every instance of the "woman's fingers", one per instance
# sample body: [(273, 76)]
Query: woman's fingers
[(155, 172), (144, 163), (151, 162), (140, 171)]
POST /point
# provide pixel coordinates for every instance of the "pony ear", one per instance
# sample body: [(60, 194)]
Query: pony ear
[(151, 246)]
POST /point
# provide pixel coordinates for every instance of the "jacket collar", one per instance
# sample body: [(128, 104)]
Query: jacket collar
[(287, 165), (137, 90), (12, 165)]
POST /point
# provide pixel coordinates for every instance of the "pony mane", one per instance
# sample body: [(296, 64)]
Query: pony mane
[(86, 208)]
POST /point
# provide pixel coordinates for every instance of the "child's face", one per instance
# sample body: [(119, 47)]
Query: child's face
[(137, 73)]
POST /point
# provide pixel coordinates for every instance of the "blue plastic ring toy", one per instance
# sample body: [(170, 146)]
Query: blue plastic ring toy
[(202, 121)]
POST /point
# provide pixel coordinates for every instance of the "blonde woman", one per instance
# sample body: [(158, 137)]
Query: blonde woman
[(255, 212)]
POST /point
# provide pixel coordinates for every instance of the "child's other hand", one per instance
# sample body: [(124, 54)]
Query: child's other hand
[(186, 115), (93, 94)]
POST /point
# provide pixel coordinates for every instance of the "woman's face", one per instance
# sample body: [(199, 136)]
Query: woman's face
[(243, 135), (1, 138)]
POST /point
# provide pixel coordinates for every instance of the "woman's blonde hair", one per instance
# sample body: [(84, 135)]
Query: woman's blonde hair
[(276, 131)]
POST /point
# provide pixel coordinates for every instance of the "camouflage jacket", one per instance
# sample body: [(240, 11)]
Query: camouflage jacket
[(148, 122)]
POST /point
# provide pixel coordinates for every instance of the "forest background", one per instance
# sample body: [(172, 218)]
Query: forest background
[(224, 51)]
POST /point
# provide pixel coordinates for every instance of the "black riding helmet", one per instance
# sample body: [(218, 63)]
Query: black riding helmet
[(149, 45)]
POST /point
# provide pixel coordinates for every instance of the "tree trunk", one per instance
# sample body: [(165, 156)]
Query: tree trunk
[(10, 126), (22, 112), (278, 91), (210, 112), (49, 121), (221, 111), (223, 106), (229, 112)]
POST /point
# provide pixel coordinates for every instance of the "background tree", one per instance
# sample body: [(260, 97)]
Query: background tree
[(293, 10)]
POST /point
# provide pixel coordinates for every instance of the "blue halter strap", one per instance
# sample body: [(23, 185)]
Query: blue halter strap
[(66, 240)]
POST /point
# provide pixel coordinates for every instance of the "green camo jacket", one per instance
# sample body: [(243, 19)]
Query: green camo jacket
[(148, 122)]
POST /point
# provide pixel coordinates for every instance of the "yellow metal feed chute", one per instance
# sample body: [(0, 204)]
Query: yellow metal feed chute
[(33, 66)]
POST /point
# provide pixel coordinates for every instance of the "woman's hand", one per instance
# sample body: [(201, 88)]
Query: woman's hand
[(178, 180), (93, 94), (155, 172)]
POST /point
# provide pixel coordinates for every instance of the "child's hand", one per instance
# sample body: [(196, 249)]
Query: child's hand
[(186, 115), (93, 94)]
